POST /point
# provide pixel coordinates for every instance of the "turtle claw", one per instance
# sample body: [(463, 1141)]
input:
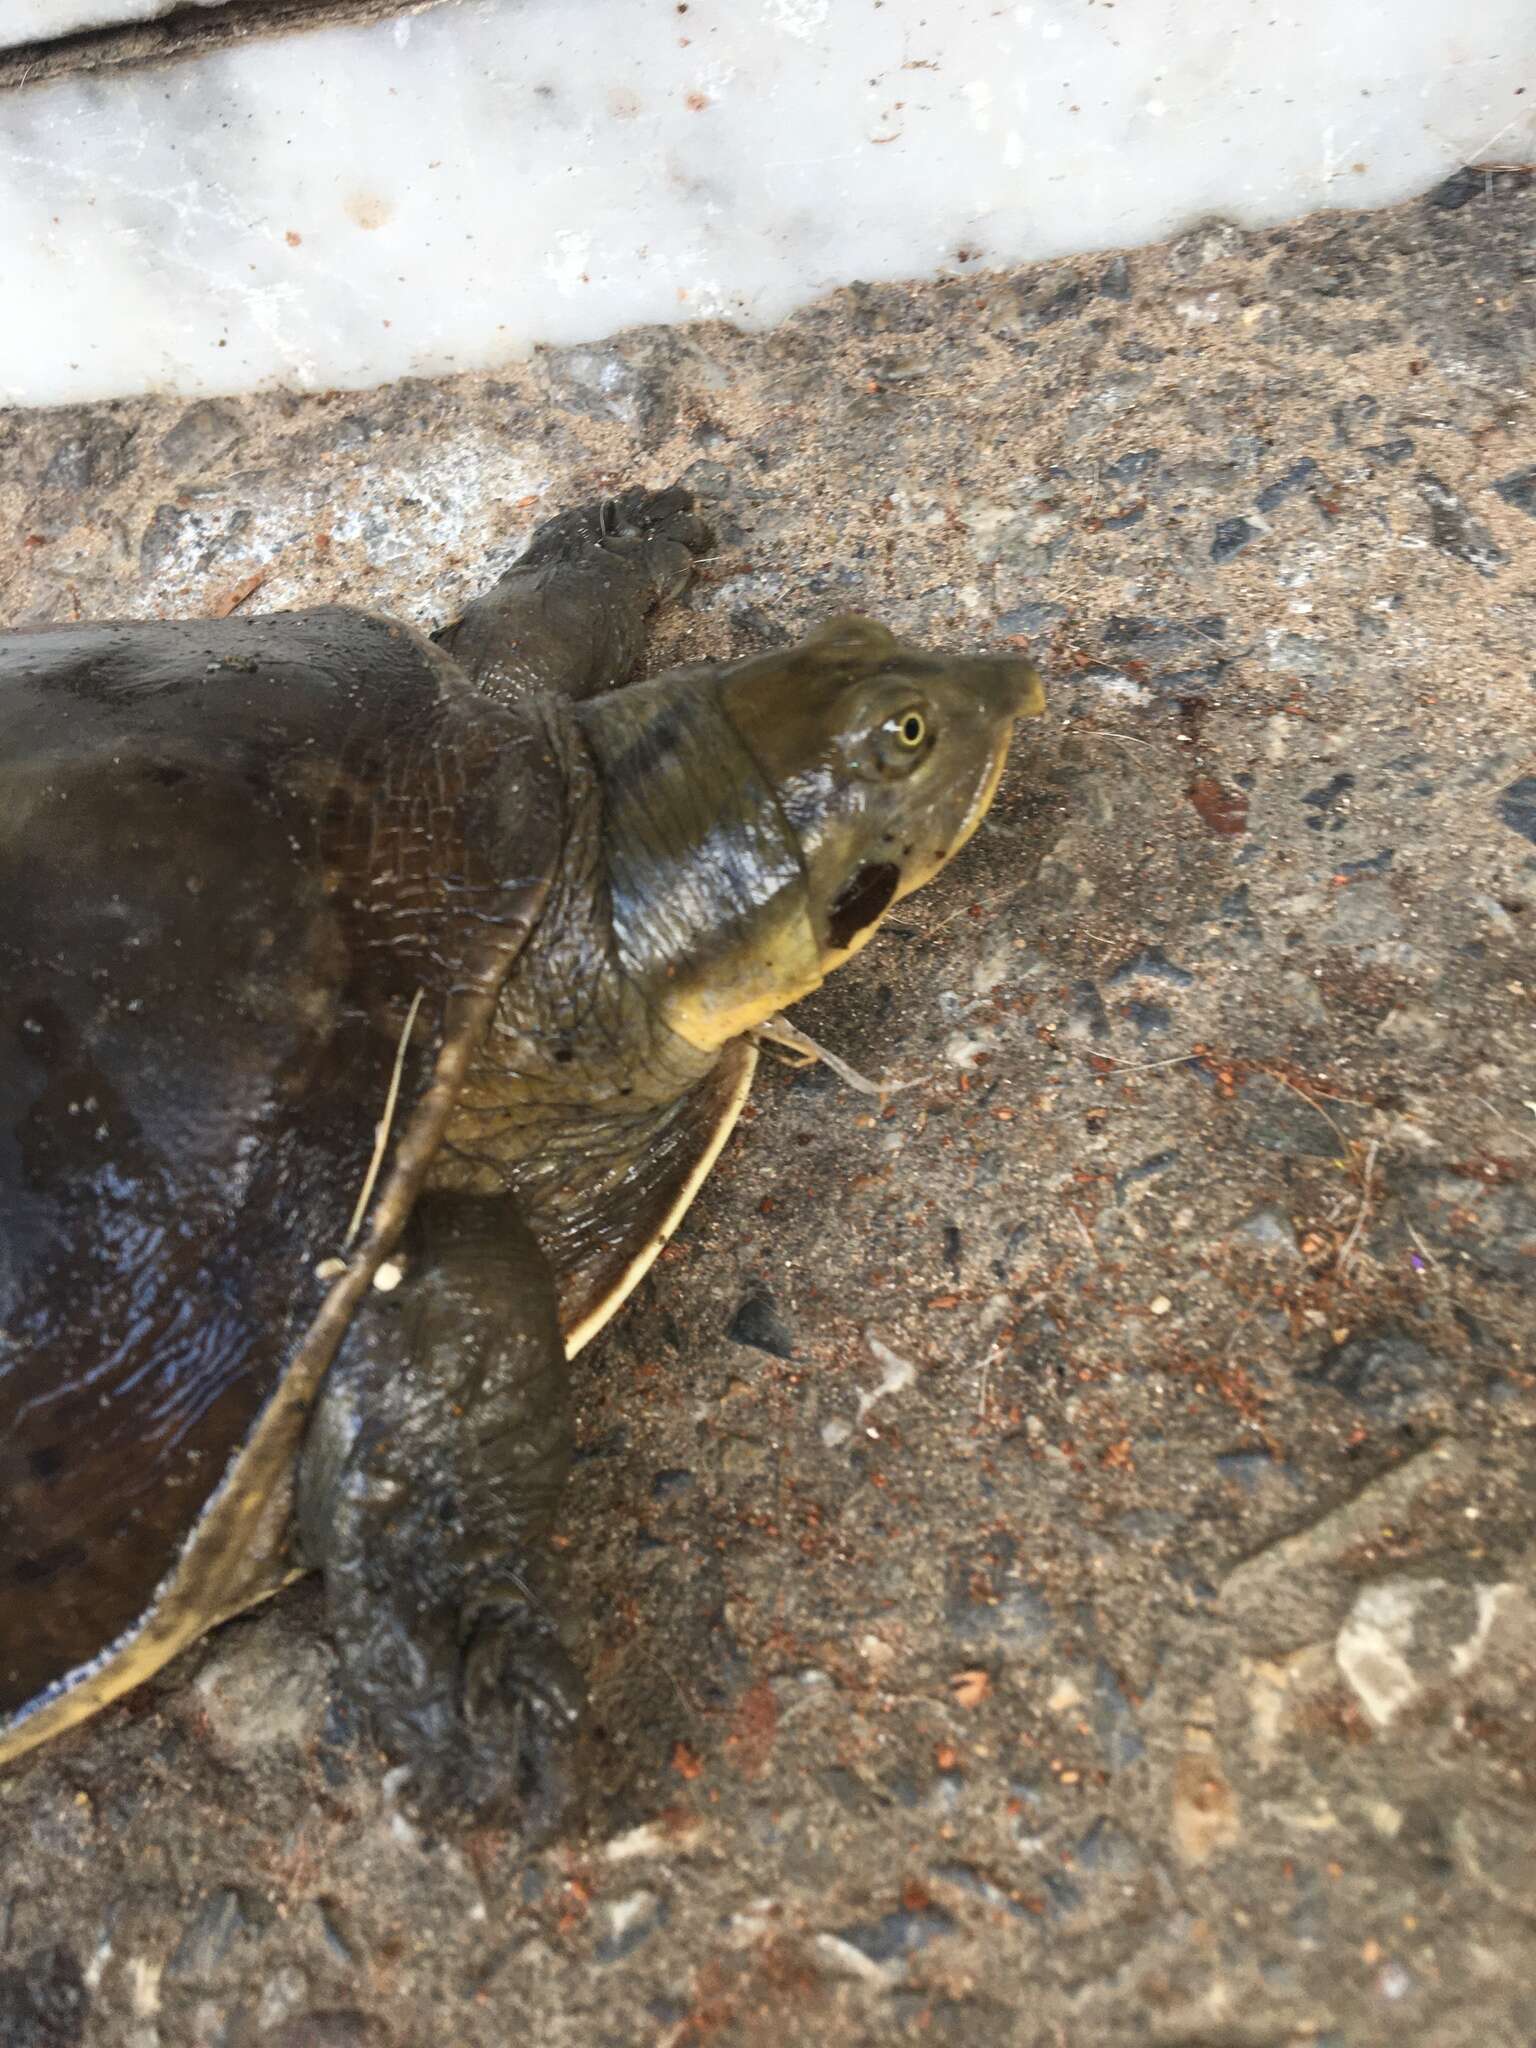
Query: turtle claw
[(524, 1703), (655, 515)]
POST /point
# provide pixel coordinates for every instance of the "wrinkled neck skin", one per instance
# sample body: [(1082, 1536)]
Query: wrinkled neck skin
[(707, 884), (675, 922)]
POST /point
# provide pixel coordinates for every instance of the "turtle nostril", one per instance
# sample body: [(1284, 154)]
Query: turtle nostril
[(1018, 682)]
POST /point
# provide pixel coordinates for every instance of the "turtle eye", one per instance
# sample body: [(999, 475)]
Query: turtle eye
[(898, 744)]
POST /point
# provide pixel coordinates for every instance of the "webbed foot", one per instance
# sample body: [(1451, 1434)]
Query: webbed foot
[(496, 1737), (659, 530), (524, 1706)]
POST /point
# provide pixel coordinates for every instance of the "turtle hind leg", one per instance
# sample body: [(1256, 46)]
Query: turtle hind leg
[(430, 1475), (569, 616)]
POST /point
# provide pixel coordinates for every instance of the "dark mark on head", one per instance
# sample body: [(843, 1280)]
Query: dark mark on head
[(860, 901)]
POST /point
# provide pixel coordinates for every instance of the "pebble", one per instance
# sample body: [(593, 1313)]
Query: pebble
[(266, 1688), (757, 1322), (1516, 807), (1454, 531), (608, 383), (1518, 489), (897, 1934), (217, 1924), (1107, 1850), (1230, 538), (100, 455), (1295, 478), (203, 434), (1271, 1231), (626, 1922)]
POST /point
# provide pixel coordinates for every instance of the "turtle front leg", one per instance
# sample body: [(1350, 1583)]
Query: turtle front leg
[(569, 615), (430, 1475)]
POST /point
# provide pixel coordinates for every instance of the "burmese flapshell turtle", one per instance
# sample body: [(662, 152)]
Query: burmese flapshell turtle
[(371, 1008)]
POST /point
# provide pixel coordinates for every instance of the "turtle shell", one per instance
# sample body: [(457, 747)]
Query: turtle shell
[(258, 879)]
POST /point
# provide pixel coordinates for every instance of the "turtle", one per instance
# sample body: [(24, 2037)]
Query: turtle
[(372, 1006)]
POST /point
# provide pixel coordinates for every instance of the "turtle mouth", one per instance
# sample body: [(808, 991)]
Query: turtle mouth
[(863, 898)]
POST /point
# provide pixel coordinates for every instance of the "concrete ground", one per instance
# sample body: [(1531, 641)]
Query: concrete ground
[(1056, 1555)]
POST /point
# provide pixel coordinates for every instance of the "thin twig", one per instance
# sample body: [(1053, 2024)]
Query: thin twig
[(1365, 1203), (1087, 1234), (1311, 1101), (1146, 1066), (1423, 1247), (382, 1127), (779, 1031)]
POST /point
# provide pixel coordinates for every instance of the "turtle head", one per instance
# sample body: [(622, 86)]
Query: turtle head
[(882, 759), (813, 787)]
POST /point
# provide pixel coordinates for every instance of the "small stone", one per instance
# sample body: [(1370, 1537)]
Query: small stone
[(1296, 478), (1453, 193), (1107, 1850), (1230, 538), (757, 1322), (605, 382), (266, 1688), (217, 1924), (203, 433), (99, 455), (625, 1923), (1125, 469), (897, 1934), (1454, 531), (1518, 489), (1160, 1305), (1405, 1634), (1271, 1231), (163, 536), (1516, 807), (672, 1483)]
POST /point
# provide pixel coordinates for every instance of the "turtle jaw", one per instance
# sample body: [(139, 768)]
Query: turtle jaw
[(1007, 690)]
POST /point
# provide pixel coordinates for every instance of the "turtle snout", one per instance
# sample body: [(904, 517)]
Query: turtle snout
[(1011, 687)]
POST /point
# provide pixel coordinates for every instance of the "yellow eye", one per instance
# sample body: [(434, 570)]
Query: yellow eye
[(911, 729)]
